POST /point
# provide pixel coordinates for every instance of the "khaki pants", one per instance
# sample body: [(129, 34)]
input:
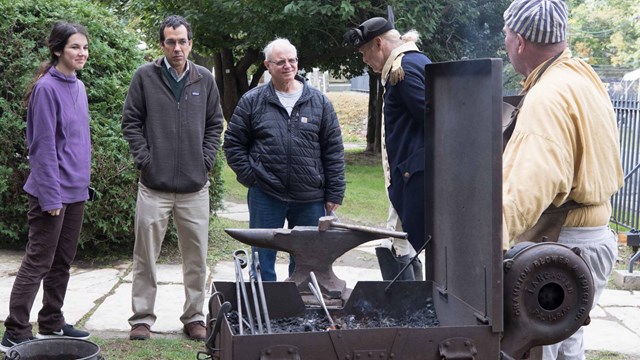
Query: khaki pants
[(191, 218)]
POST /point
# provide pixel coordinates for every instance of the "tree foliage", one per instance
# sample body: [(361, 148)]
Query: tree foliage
[(605, 32), (113, 58), (455, 29), (231, 34)]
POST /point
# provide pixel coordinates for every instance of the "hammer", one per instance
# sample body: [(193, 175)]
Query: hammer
[(326, 222)]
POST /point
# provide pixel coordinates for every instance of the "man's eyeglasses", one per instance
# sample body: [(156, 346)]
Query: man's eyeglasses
[(172, 43), (291, 61)]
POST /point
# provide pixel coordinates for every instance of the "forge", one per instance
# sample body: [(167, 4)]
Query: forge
[(476, 303)]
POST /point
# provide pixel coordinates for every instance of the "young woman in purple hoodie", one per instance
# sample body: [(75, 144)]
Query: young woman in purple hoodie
[(59, 146)]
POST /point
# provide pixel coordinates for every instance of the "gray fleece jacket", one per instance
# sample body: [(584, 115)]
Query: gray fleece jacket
[(173, 143)]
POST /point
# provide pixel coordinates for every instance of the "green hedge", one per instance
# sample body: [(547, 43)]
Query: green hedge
[(113, 57)]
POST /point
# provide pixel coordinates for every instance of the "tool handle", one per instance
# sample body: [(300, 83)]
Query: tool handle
[(371, 230), (245, 297), (265, 310), (318, 293), (238, 299), (256, 305)]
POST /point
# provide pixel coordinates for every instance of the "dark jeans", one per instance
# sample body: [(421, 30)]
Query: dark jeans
[(267, 212), (50, 250)]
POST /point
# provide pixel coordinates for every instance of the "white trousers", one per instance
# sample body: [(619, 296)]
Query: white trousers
[(599, 249), (402, 247)]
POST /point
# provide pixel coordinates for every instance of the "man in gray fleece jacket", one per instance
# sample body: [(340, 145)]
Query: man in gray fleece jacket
[(172, 120)]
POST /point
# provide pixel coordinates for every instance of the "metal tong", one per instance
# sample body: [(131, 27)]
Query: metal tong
[(315, 289), (256, 305), (239, 258), (265, 311)]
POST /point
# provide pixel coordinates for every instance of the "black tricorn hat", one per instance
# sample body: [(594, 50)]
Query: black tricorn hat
[(367, 31)]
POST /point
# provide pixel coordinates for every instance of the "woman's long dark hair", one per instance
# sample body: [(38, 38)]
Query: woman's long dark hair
[(58, 38)]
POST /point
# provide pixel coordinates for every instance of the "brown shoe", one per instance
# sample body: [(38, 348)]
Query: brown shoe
[(140, 332), (196, 330)]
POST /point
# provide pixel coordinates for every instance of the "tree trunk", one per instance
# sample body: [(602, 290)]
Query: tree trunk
[(232, 79), (255, 79), (217, 72), (206, 61), (374, 121), (250, 58), (229, 97)]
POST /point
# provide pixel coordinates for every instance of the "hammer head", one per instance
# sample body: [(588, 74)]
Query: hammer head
[(324, 223)]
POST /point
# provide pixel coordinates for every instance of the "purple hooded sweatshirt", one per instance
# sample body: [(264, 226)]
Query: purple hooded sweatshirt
[(59, 141)]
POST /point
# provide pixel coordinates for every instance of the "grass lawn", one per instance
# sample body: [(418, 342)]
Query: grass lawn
[(152, 349), (607, 355), (365, 200), (351, 108)]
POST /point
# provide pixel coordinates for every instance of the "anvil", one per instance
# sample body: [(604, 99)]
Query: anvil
[(313, 250)]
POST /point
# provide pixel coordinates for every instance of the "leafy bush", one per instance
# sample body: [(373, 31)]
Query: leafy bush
[(113, 57)]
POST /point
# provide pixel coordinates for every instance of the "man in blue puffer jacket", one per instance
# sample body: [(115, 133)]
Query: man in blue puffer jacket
[(284, 143)]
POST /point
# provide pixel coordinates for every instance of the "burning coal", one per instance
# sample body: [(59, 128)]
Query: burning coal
[(316, 321)]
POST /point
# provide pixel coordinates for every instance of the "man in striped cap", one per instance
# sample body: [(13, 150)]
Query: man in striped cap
[(564, 152)]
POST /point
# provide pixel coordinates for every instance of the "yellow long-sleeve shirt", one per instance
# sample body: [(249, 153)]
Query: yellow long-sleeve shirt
[(564, 147)]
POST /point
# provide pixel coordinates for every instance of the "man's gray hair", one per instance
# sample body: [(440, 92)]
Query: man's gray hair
[(393, 36), (278, 42)]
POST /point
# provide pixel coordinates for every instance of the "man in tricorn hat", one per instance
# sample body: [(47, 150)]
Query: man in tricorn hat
[(564, 153), (401, 65)]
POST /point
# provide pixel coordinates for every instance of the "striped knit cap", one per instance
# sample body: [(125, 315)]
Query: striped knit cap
[(539, 21)]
